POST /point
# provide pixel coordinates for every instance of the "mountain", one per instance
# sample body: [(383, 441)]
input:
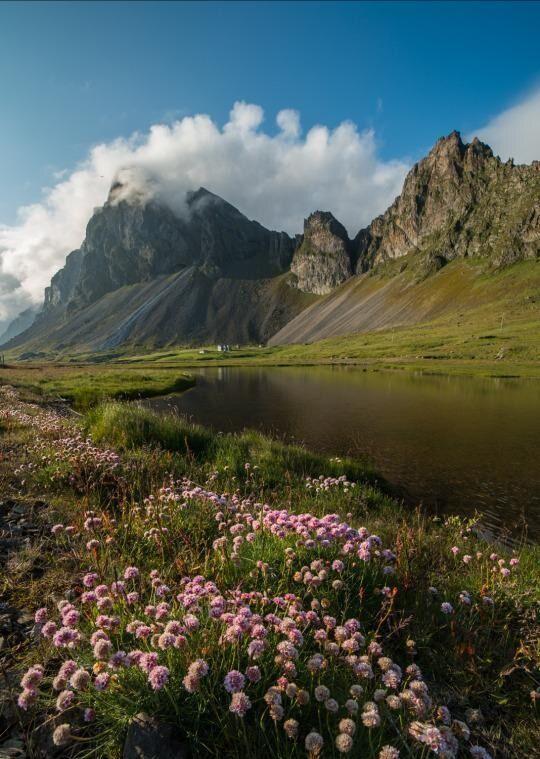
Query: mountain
[(460, 205), (145, 275), (459, 201), (21, 322), (149, 277)]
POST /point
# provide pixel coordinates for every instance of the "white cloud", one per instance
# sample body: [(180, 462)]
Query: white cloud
[(277, 179), (515, 133)]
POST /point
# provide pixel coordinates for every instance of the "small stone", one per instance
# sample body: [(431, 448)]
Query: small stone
[(149, 739)]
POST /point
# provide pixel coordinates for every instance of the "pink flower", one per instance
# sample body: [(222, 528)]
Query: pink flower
[(57, 528), (240, 704), (80, 679), (158, 677), (67, 669), (65, 637), (148, 661), (89, 715), (31, 679), (26, 698), (505, 571), (64, 700), (102, 648), (90, 579), (130, 573), (253, 674), (102, 681), (49, 629), (455, 550), (234, 681), (71, 618), (40, 617), (447, 608), (191, 622)]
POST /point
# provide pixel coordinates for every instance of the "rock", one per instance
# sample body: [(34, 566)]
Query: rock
[(459, 201), (134, 238), (149, 739), (322, 261)]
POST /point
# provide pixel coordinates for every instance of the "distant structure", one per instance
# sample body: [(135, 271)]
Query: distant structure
[(224, 348)]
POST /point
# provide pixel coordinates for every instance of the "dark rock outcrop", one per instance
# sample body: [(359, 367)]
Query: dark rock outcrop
[(322, 261), (135, 241), (459, 201), (149, 739)]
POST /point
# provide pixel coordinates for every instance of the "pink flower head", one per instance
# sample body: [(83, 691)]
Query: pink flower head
[(67, 669), (240, 704), (102, 681), (40, 617), (49, 629), (90, 579), (26, 698), (64, 700), (253, 674), (130, 573), (148, 661), (234, 681), (32, 678), (158, 677)]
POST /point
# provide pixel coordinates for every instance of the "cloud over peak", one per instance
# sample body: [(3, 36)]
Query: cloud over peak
[(276, 177)]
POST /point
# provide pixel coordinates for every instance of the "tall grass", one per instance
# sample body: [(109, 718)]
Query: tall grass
[(131, 426)]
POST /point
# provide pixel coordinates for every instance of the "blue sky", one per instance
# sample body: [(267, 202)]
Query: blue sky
[(73, 74), (282, 108)]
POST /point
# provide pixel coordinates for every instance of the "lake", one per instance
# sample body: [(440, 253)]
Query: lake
[(455, 444)]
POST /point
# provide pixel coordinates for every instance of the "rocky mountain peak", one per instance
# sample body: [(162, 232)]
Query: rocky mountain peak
[(134, 238), (323, 259), (325, 233), (459, 200)]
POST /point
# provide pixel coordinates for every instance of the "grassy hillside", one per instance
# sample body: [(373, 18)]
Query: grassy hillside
[(462, 319)]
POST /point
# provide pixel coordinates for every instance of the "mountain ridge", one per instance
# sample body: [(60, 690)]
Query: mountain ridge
[(237, 281)]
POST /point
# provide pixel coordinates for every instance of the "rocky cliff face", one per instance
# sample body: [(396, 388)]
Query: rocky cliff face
[(459, 201), (322, 261), (64, 282), (130, 242)]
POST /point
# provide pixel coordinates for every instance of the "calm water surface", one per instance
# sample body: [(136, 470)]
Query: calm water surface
[(454, 444)]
